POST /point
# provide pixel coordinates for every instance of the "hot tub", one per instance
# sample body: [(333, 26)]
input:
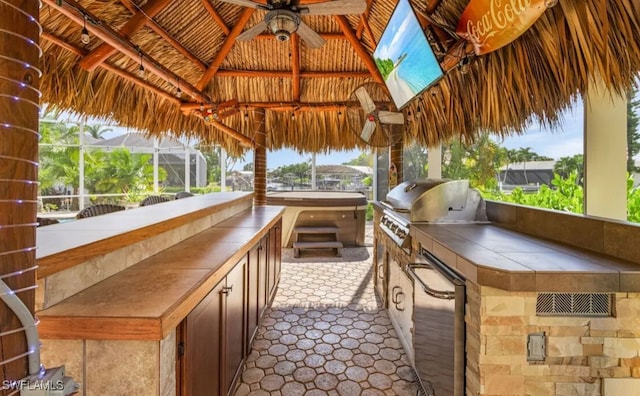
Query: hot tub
[(345, 210)]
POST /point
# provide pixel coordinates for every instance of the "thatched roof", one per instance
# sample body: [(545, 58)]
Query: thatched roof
[(538, 74)]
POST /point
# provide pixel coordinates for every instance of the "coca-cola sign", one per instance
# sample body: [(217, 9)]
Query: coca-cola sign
[(490, 25)]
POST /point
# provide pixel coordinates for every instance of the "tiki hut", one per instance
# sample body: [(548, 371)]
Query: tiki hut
[(160, 67), (186, 69)]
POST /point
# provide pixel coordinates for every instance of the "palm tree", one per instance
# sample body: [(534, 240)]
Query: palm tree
[(96, 130), (525, 154)]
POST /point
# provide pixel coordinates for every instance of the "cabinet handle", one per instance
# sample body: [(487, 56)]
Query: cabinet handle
[(380, 271), (398, 301), (393, 294), (227, 290)]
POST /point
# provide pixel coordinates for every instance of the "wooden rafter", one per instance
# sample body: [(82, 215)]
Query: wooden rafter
[(226, 47), (104, 50), (115, 70), (167, 37), (245, 141), (295, 66), (76, 13), (326, 36), (287, 74), (216, 17), (357, 46), (278, 106)]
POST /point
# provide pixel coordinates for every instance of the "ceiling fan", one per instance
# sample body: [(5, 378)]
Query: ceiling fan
[(283, 18), (375, 121)]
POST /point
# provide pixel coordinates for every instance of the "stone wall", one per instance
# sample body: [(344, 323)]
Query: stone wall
[(581, 351)]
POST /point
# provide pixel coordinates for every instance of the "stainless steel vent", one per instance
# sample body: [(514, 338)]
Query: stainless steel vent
[(574, 304)]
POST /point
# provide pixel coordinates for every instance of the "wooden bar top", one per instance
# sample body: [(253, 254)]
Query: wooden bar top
[(493, 256), (64, 245), (148, 300)]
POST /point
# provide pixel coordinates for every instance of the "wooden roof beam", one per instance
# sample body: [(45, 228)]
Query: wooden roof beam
[(295, 65), (216, 17), (326, 36), (226, 47), (244, 140), (357, 46), (277, 106), (76, 13), (168, 38), (104, 50), (287, 74), (127, 76)]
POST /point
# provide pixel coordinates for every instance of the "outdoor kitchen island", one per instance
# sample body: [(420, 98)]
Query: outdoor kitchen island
[(158, 300), (550, 307)]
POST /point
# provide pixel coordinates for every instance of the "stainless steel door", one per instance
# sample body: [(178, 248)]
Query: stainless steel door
[(439, 334)]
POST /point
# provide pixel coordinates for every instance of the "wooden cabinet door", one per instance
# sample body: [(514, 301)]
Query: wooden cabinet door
[(234, 335), (202, 347), (253, 314), (275, 252), (269, 240), (262, 277)]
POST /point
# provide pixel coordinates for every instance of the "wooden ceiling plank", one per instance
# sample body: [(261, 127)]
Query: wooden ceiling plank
[(226, 47), (295, 65), (216, 17), (163, 33), (359, 48), (363, 18), (76, 12), (367, 28), (119, 72), (104, 50)]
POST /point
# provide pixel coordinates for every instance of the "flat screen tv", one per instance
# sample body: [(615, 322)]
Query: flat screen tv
[(405, 58)]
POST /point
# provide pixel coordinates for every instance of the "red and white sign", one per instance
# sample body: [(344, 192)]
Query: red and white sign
[(492, 24)]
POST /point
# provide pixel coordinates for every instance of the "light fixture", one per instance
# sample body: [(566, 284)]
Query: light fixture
[(464, 65), (282, 23), (84, 37), (178, 91), (201, 107), (293, 116), (141, 72)]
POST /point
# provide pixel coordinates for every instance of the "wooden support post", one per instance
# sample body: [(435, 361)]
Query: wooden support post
[(260, 160), (395, 158), (19, 106)]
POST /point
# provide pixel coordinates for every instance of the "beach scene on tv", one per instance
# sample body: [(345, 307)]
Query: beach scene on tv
[(404, 57)]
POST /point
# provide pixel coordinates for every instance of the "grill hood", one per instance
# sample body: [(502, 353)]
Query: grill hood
[(437, 200)]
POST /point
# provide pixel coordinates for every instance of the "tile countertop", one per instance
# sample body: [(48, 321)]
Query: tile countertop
[(493, 256), (61, 246), (148, 300)]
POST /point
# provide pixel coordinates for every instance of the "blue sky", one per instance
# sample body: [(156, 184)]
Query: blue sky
[(566, 140)]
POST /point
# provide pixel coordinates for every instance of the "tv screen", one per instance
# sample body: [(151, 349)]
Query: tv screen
[(404, 57)]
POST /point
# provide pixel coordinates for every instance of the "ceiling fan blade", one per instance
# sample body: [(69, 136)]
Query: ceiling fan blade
[(390, 117), (252, 32), (310, 37), (367, 130), (244, 3), (365, 100), (337, 7)]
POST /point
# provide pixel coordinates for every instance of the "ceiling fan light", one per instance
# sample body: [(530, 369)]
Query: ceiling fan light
[(282, 23)]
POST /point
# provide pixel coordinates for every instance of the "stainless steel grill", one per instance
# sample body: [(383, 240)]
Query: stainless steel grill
[(429, 201)]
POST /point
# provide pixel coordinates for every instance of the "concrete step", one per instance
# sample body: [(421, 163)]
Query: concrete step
[(336, 245)]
